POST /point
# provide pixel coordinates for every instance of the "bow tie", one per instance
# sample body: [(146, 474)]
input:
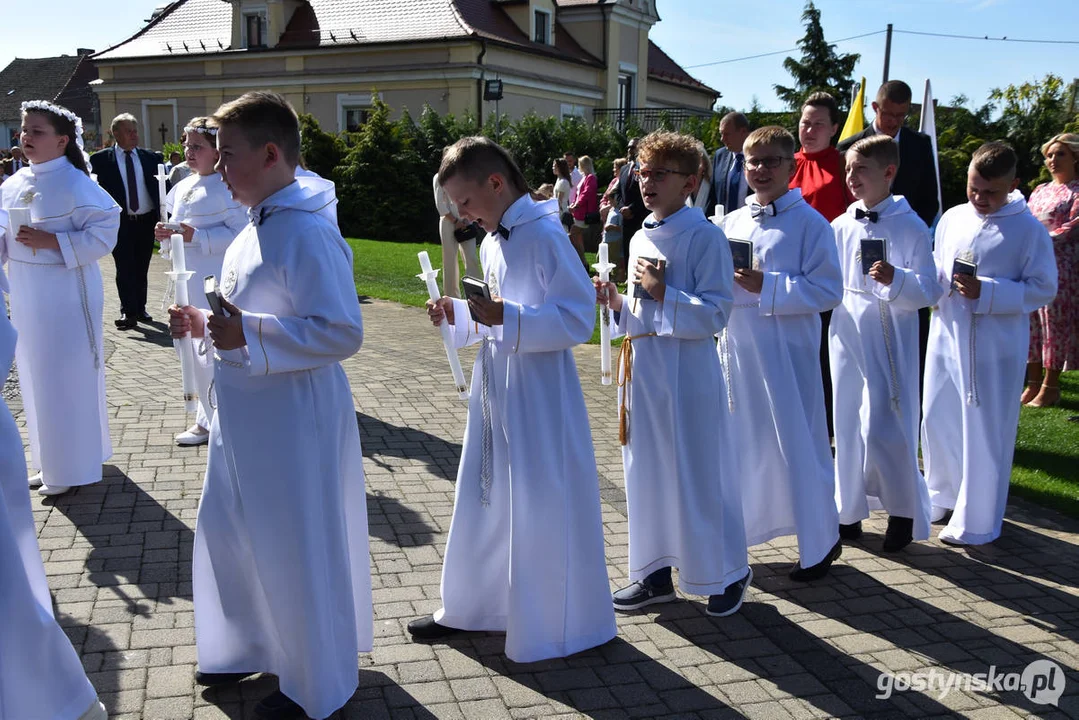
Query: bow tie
[(503, 232), (757, 210), (860, 214), (653, 225)]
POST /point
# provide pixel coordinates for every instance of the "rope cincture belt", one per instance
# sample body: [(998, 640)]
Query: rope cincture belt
[(625, 362)]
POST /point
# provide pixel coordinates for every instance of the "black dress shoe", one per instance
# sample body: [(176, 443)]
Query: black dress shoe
[(816, 572), (900, 533), (126, 322), (427, 629), (144, 317), (278, 706), (851, 532), (215, 679)]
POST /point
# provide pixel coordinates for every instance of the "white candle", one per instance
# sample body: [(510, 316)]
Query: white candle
[(429, 275), (184, 346), (603, 266), (161, 193), (17, 217), (717, 219)]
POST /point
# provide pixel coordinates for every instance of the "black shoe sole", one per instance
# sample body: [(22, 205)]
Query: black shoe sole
[(431, 631), (850, 532), (217, 679), (895, 544), (816, 572)]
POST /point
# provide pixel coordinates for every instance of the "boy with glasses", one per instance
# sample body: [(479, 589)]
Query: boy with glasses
[(684, 506), (770, 356)]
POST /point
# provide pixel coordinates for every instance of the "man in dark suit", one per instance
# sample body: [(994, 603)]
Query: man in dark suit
[(916, 179), (128, 173), (629, 201), (729, 187), (917, 176)]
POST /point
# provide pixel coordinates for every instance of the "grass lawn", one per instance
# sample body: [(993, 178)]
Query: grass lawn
[(387, 270), (1046, 466)]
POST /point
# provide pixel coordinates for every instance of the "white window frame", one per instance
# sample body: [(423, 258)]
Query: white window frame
[(147, 138), (351, 101), (263, 13), (569, 110), (549, 22)]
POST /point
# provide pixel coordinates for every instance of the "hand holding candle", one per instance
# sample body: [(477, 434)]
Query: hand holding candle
[(603, 266), (429, 275)]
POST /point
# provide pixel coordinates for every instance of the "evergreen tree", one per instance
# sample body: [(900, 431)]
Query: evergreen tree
[(820, 67)]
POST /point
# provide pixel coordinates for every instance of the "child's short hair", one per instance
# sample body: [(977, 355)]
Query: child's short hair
[(671, 148), (476, 158), (824, 100), (995, 160), (881, 148), (895, 91), (773, 135), (264, 117), (545, 191), (618, 164)]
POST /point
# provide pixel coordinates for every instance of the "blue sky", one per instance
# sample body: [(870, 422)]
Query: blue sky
[(702, 31)]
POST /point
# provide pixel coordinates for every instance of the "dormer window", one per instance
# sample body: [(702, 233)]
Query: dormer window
[(254, 27), (541, 23)]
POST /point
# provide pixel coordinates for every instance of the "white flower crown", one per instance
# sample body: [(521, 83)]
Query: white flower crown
[(212, 131), (57, 110)]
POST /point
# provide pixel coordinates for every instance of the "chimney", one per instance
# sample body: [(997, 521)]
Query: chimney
[(85, 51)]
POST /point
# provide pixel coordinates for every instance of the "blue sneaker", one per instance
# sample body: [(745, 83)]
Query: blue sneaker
[(640, 594), (731, 599)]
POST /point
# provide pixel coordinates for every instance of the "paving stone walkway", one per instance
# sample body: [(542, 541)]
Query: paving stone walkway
[(118, 559)]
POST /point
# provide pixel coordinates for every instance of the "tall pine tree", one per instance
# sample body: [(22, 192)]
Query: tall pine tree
[(820, 67)]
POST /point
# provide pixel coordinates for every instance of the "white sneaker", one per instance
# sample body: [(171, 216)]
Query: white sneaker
[(194, 435), (96, 711), (937, 513), (48, 490), (36, 481)]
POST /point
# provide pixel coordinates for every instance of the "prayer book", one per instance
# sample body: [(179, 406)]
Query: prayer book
[(873, 250)]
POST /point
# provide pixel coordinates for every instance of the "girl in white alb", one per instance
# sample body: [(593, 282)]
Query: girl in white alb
[(209, 220), (60, 224)]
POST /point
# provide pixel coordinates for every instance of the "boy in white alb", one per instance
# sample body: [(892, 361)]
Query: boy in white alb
[(280, 566), (684, 503), (771, 353), (873, 344), (41, 675), (995, 262), (525, 553)]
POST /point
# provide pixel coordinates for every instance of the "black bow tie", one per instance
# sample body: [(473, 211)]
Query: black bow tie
[(871, 215), (653, 225), (757, 210), (503, 232)]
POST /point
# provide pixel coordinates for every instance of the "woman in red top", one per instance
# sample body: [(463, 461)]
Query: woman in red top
[(818, 169), (587, 203)]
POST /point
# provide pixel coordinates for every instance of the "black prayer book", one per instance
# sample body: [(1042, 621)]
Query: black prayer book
[(475, 288), (964, 267), (639, 292), (873, 250), (741, 253)]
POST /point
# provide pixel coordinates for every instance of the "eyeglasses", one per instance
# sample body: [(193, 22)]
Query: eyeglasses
[(771, 162), (659, 175)]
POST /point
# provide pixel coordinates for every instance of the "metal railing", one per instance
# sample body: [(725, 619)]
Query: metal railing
[(648, 119)]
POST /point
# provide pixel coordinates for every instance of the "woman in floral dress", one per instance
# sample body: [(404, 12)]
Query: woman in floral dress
[(1054, 329)]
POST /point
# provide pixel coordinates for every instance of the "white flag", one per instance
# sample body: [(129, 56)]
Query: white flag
[(928, 126)]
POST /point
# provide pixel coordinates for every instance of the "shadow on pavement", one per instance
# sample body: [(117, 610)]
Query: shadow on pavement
[(140, 549), (383, 439)]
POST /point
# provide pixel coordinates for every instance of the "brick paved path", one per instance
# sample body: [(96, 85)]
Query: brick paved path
[(118, 559)]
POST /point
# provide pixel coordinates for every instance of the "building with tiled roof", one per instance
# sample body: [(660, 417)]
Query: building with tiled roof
[(590, 58), (64, 80)]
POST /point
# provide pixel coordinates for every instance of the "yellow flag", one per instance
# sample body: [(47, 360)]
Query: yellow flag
[(856, 119)]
